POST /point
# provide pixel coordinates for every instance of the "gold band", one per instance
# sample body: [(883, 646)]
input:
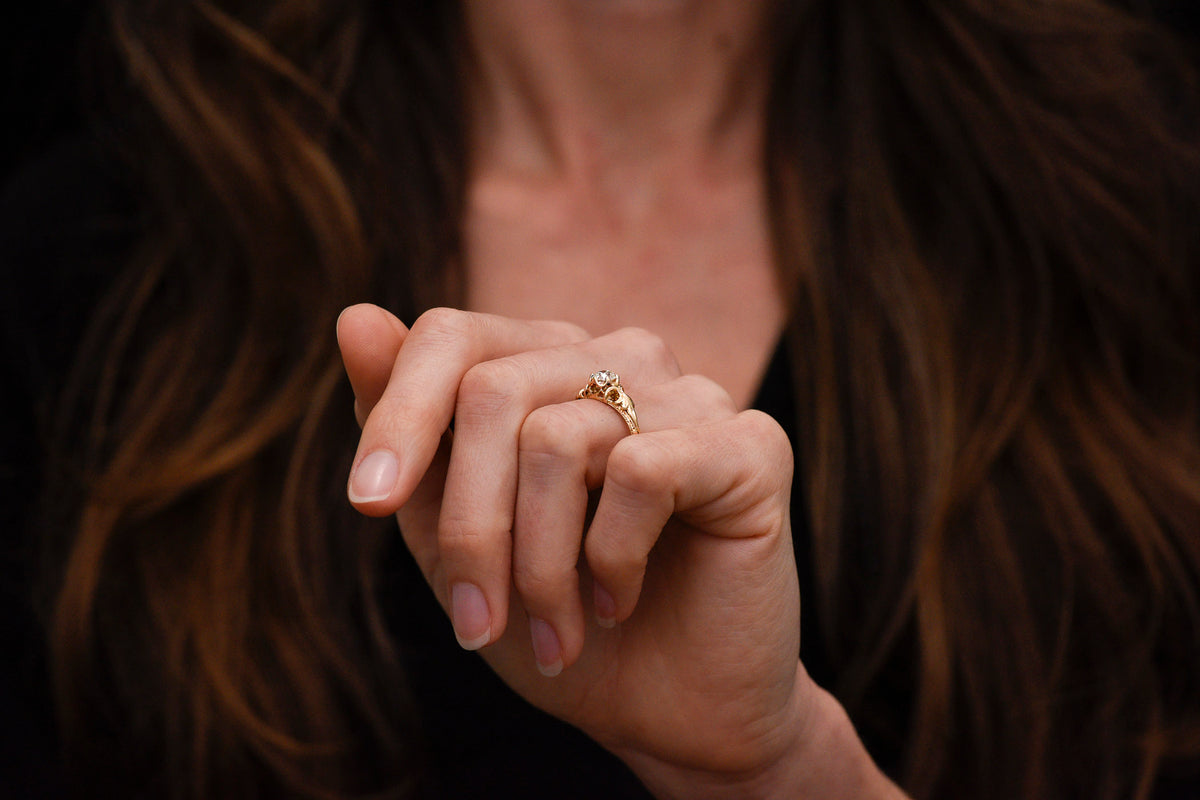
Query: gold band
[(605, 386)]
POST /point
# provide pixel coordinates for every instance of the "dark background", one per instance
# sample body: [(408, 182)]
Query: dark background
[(43, 71), (45, 83), (45, 89)]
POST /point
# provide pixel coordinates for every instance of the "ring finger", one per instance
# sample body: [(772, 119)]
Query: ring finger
[(562, 454), (474, 533)]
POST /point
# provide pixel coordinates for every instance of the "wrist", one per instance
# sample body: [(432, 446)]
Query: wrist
[(816, 755)]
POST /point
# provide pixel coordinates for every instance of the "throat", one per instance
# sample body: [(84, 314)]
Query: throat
[(694, 268), (549, 83)]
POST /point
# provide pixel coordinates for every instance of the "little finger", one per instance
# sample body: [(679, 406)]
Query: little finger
[(562, 454), (729, 479)]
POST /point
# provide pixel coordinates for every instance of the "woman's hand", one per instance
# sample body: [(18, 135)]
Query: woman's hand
[(673, 615)]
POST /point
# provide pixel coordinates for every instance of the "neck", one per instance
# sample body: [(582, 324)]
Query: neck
[(570, 88)]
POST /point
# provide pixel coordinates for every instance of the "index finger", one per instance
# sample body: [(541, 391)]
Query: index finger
[(369, 338), (402, 432)]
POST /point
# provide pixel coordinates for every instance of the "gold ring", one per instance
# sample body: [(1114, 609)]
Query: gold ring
[(605, 386)]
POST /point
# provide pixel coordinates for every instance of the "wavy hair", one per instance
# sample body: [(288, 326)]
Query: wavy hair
[(984, 217)]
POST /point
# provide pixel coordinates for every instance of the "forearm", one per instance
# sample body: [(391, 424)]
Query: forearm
[(823, 759)]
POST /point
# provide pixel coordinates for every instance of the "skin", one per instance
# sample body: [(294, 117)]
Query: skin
[(617, 160), (616, 175)]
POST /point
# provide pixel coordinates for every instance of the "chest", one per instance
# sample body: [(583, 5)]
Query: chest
[(696, 270)]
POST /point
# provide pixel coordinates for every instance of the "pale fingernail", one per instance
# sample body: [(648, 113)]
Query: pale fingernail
[(547, 651), (469, 614), (605, 607), (374, 477)]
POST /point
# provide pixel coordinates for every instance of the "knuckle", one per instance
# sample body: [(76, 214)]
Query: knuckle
[(566, 331), (640, 464), (488, 387), (490, 377), (766, 435), (607, 558), (544, 435), (764, 427), (444, 324), (462, 539), (710, 397), (534, 580), (652, 348)]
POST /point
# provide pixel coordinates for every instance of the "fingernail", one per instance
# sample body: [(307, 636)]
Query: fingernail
[(547, 650), (374, 478), (469, 614), (605, 607)]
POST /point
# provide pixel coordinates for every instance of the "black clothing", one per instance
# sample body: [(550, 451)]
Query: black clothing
[(65, 226), (484, 736), (66, 223)]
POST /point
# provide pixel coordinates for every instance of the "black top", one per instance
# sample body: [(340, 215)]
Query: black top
[(65, 226), (483, 736)]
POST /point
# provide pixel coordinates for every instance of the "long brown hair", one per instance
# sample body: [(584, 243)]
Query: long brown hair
[(216, 619), (984, 218)]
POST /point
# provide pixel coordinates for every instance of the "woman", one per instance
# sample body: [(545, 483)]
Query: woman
[(963, 228)]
